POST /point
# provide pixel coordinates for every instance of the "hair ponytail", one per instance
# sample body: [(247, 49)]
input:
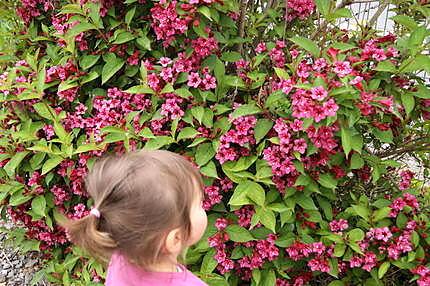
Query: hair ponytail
[(84, 233)]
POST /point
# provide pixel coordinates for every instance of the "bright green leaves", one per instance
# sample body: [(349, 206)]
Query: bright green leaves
[(346, 136), (408, 102), (204, 153), (158, 142), (13, 163), (111, 67), (238, 233), (38, 206), (51, 163), (88, 61), (356, 161), (266, 217), (246, 109), (209, 263), (307, 44), (247, 192), (262, 127), (323, 7), (326, 180)]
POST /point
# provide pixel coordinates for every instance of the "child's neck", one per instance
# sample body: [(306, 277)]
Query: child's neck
[(165, 266)]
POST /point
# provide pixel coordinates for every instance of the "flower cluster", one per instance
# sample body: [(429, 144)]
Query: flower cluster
[(406, 178), (212, 193), (205, 83), (30, 9), (167, 23), (300, 9), (236, 142), (407, 200)]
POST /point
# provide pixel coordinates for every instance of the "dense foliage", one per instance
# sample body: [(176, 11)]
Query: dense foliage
[(298, 127)]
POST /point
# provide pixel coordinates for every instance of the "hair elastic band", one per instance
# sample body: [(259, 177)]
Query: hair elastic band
[(95, 212)]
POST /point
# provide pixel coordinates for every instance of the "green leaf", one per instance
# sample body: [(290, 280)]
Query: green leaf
[(356, 234), (246, 193), (326, 180), (266, 217), (86, 147), (262, 127), (158, 142), (187, 133), (383, 269), (346, 136), (184, 93), (305, 202), (79, 28), (246, 109), (406, 21), (209, 263), (268, 279), (417, 37), (361, 211), (240, 165), (209, 170), (140, 89), (18, 199), (323, 7), (204, 153), (386, 66), (357, 143), (38, 205), (129, 16), (383, 136), (43, 110), (420, 62), (408, 102), (307, 44), (168, 88), (281, 73), (144, 42), (341, 13), (51, 163), (13, 163), (339, 249), (205, 11), (231, 56), (356, 161), (88, 61), (237, 233), (381, 214), (123, 38), (111, 67), (198, 112), (336, 283)]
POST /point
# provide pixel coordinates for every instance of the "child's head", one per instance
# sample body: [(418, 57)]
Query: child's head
[(149, 204)]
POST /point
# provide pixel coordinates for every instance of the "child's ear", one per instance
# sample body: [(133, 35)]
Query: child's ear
[(173, 243)]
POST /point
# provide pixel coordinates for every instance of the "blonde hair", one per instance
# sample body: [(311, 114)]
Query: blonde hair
[(141, 196)]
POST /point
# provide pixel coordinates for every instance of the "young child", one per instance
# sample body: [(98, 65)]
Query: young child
[(147, 211)]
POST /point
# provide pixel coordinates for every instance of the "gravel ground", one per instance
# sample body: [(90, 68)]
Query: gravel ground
[(16, 269)]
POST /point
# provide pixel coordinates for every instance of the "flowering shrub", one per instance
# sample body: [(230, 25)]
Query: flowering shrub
[(299, 139)]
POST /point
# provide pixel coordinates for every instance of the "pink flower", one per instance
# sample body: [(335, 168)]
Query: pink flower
[(355, 262), (318, 93), (342, 69), (221, 223), (194, 80), (338, 225), (319, 264), (369, 261), (261, 47), (165, 61), (300, 145)]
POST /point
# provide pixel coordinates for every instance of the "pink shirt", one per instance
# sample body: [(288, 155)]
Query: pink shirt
[(122, 273)]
